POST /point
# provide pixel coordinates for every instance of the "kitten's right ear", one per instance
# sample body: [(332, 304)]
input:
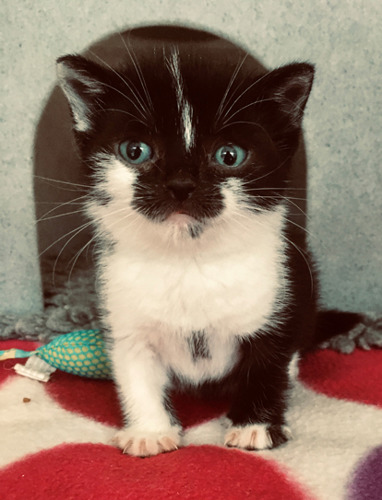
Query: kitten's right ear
[(290, 86), (82, 82)]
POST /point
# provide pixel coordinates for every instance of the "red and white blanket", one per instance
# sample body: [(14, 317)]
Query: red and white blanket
[(54, 440)]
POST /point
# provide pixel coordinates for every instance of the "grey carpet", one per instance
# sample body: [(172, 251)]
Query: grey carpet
[(70, 304)]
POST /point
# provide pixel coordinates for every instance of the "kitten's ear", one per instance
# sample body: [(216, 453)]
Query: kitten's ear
[(81, 80), (290, 87)]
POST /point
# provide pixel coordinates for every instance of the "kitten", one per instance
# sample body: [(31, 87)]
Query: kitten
[(201, 281)]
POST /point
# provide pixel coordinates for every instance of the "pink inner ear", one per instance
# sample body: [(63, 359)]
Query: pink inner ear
[(294, 96), (290, 87), (81, 82), (293, 93)]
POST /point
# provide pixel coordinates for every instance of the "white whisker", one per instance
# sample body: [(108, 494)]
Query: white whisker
[(43, 218), (76, 231), (63, 204), (302, 228), (134, 91), (111, 87), (254, 103), (59, 203), (126, 113), (295, 204), (243, 93), (138, 71), (66, 183), (230, 124), (83, 226), (222, 104)]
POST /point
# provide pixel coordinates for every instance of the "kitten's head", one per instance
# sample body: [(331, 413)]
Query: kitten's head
[(187, 131)]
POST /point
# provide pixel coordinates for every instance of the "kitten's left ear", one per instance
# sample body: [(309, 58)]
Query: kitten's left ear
[(290, 87), (82, 82)]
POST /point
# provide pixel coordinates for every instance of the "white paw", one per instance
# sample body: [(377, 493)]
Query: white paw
[(257, 436), (139, 443)]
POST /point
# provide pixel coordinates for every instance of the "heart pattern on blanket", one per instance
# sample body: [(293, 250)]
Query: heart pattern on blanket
[(339, 375), (98, 399), (192, 473)]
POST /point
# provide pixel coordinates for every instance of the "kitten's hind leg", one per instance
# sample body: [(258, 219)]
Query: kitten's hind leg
[(259, 436), (257, 413), (142, 379)]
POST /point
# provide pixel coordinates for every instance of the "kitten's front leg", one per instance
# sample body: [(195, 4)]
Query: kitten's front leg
[(257, 412), (142, 379)]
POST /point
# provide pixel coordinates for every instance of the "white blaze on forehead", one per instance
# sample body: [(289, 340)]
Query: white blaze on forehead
[(188, 131), (184, 107)]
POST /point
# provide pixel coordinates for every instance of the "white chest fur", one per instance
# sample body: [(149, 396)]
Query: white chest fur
[(161, 297)]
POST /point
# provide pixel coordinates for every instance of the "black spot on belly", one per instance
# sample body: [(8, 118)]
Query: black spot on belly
[(198, 346)]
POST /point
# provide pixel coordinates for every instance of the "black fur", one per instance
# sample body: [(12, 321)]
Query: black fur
[(198, 346)]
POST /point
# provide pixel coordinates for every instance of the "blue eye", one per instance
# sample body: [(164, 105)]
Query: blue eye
[(135, 152), (230, 156)]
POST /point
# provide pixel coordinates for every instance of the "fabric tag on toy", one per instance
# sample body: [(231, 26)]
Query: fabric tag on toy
[(35, 368), (80, 353)]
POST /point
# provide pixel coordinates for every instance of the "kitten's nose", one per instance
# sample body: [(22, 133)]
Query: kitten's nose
[(181, 188)]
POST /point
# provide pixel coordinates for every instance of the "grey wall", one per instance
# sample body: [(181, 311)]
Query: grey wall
[(343, 121)]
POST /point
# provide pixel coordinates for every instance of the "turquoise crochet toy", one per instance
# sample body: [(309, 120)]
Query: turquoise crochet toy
[(80, 353)]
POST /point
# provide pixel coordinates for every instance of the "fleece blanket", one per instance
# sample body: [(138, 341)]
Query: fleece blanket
[(55, 440)]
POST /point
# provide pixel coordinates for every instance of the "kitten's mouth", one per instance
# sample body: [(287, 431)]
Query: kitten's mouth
[(181, 217), (184, 223), (182, 213)]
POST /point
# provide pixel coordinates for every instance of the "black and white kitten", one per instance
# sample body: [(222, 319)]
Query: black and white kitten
[(190, 142)]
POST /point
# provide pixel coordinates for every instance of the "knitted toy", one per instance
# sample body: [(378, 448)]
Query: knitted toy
[(80, 353)]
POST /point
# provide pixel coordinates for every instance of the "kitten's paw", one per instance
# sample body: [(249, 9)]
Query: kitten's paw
[(257, 436), (145, 444)]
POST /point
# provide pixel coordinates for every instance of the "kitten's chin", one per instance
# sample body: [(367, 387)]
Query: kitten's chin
[(183, 225)]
